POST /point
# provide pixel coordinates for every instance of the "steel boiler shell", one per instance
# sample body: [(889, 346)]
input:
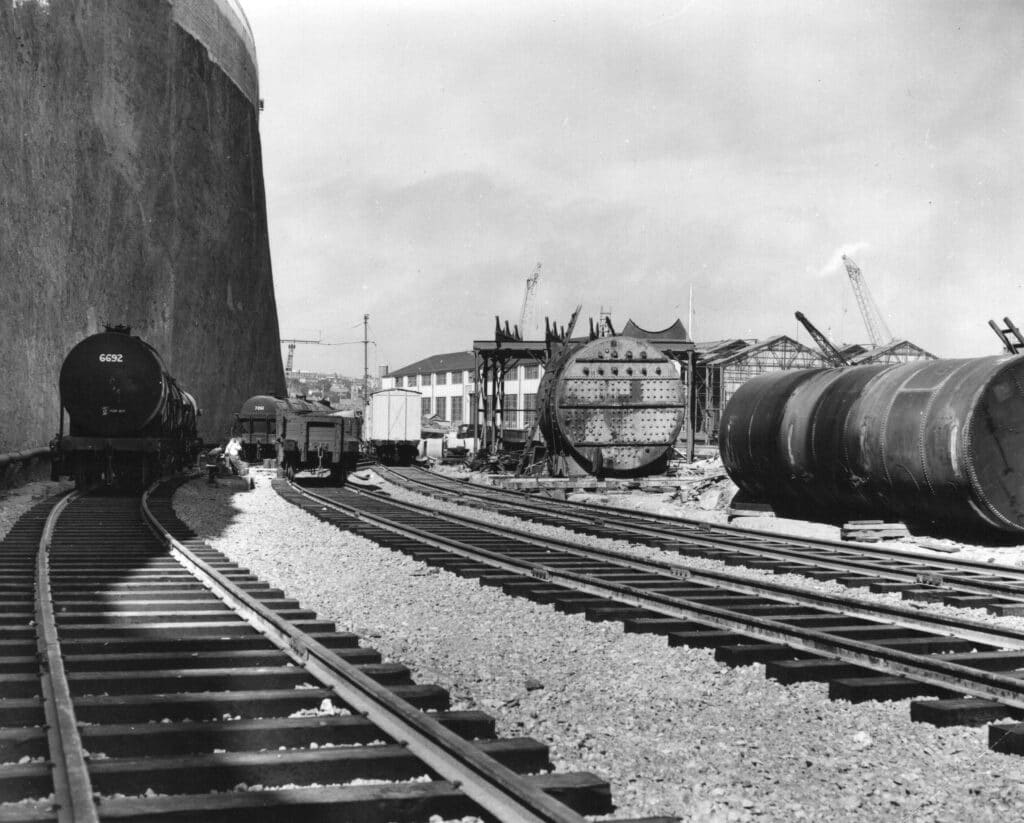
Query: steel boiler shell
[(926, 441), (616, 404)]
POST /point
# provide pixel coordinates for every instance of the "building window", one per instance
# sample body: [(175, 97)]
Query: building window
[(457, 378), (440, 411), (408, 381), (425, 406), (509, 415), (456, 410), (529, 409), (441, 378), (511, 375), (530, 372)]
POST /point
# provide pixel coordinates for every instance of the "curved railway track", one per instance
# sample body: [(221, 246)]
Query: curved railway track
[(143, 676), (968, 672), (960, 583)]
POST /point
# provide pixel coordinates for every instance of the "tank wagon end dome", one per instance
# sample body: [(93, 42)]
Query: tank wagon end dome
[(259, 405), (112, 383)]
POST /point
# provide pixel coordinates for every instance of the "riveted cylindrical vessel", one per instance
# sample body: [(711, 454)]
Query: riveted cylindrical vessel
[(937, 441), (943, 440), (115, 385), (748, 434), (615, 404), (815, 459)]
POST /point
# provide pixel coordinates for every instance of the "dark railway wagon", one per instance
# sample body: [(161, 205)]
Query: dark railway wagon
[(256, 423), (613, 406), (325, 444), (128, 419), (302, 435), (932, 442)]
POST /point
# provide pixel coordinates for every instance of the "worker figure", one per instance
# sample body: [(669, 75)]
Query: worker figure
[(212, 463), (231, 452)]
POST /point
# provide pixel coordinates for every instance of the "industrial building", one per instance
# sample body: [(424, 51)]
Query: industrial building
[(447, 383), (512, 367)]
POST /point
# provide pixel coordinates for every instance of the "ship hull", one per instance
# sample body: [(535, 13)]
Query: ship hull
[(131, 191)]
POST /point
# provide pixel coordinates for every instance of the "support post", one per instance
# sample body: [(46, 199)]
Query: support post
[(366, 367), (691, 403)]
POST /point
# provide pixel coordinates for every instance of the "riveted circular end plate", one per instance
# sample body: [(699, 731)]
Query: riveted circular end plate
[(619, 406)]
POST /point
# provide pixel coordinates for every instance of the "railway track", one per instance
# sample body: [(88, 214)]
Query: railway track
[(143, 676), (960, 583), (960, 672)]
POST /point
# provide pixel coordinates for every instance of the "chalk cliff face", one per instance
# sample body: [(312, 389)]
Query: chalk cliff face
[(131, 191)]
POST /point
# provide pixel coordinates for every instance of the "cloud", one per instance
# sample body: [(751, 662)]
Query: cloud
[(420, 158)]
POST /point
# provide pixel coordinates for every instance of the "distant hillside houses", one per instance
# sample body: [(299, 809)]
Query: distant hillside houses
[(340, 391)]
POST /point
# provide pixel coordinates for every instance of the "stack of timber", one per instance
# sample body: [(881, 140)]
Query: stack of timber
[(872, 531)]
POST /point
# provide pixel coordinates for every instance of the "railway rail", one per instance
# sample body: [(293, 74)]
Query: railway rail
[(998, 589), (143, 676), (961, 672)]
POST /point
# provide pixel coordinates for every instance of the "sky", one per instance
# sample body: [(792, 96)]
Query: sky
[(421, 158)]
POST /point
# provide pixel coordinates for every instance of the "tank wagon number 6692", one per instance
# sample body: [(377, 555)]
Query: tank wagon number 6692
[(111, 358)]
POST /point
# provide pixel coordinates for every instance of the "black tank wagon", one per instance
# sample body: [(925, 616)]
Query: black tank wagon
[(128, 419), (929, 442)]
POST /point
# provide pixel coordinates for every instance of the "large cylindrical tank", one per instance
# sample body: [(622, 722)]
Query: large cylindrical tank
[(615, 405), (115, 385), (749, 431), (259, 407), (937, 441)]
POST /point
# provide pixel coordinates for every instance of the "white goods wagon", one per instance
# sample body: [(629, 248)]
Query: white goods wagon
[(391, 425)]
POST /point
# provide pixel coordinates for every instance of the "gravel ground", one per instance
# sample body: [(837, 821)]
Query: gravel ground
[(685, 504), (15, 502), (673, 730), (827, 587)]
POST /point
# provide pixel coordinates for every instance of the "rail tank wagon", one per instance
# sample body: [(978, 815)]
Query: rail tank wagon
[(936, 442), (256, 423), (613, 406), (301, 435), (128, 419)]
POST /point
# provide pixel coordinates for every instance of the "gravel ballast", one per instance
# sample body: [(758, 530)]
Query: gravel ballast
[(15, 502), (674, 731)]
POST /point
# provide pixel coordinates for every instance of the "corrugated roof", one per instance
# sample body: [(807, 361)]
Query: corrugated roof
[(453, 361), (716, 348), (767, 343), (869, 355)]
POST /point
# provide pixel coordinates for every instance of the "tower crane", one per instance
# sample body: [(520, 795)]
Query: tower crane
[(877, 330), (832, 355), (292, 341), (527, 307)]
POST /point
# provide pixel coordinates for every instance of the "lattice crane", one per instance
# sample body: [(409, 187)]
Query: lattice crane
[(877, 330), (292, 341), (831, 353), (526, 311)]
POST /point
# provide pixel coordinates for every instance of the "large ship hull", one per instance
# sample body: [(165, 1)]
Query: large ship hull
[(131, 191)]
